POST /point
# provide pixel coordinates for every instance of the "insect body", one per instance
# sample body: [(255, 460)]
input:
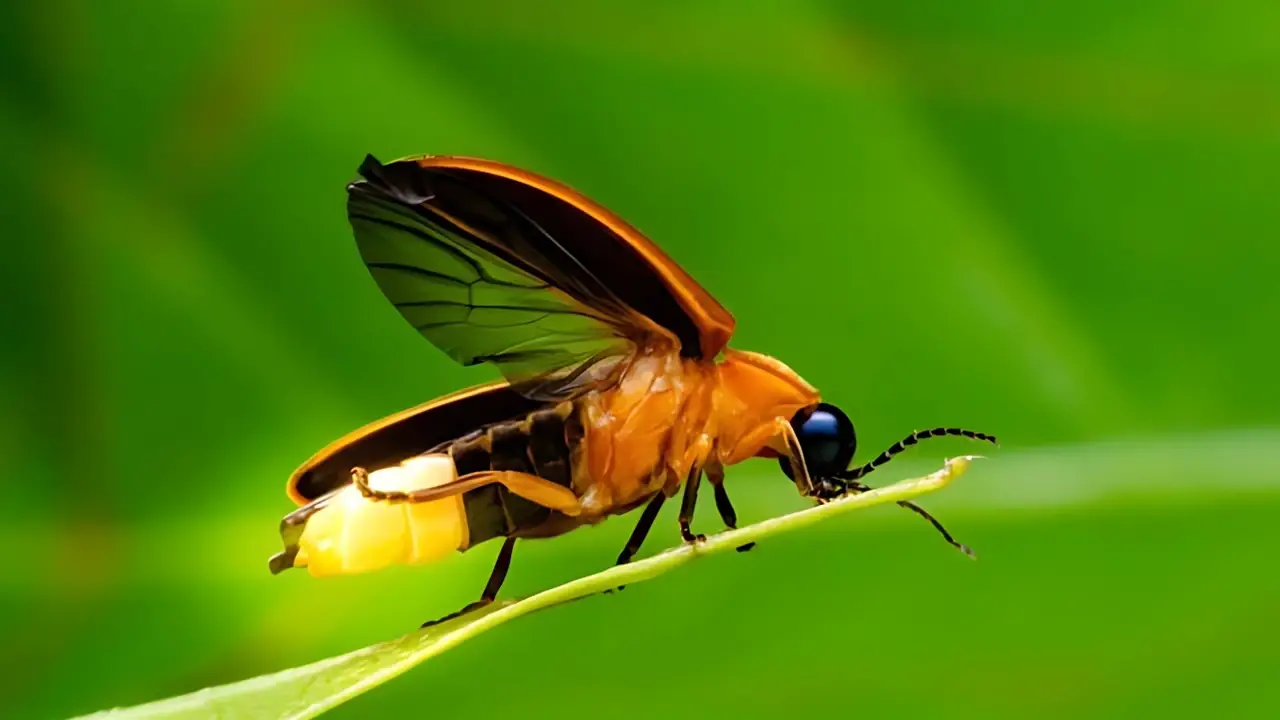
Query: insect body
[(620, 389)]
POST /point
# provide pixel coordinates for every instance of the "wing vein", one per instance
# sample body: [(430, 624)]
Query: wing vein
[(600, 289), (470, 261), (415, 270)]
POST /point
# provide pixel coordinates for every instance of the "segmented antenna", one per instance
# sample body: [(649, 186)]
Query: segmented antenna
[(862, 487), (851, 476), (910, 440)]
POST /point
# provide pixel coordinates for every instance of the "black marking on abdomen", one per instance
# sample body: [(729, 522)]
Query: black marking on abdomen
[(549, 448), (539, 444), (510, 451), (486, 515)]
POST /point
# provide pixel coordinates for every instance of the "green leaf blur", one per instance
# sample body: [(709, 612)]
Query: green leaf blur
[(1055, 223)]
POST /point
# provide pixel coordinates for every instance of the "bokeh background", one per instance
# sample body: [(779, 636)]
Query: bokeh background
[(1057, 223)]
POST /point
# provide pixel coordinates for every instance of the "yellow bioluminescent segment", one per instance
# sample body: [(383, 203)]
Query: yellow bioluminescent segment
[(353, 534)]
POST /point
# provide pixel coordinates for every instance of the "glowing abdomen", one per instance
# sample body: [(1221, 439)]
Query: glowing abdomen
[(352, 534)]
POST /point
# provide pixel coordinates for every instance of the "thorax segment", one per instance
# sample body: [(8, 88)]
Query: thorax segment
[(668, 415)]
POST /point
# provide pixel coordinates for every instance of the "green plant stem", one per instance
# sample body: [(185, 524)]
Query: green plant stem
[(310, 690)]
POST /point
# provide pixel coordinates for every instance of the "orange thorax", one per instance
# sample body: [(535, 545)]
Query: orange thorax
[(669, 414)]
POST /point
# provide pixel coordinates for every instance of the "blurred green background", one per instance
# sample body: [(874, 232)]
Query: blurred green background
[(1054, 223)]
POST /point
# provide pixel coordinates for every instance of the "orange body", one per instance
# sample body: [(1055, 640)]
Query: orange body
[(668, 415)]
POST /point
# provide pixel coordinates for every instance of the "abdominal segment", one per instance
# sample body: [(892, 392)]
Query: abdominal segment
[(345, 532), (353, 534)]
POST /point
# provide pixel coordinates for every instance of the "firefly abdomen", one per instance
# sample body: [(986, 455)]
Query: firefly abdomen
[(352, 534)]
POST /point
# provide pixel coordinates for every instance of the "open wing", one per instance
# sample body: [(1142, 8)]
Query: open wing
[(497, 265)]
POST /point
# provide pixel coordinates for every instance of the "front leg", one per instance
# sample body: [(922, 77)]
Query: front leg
[(779, 436)]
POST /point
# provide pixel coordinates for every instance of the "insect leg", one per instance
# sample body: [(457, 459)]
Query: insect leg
[(715, 475), (491, 588), (766, 434), (687, 504), (640, 532), (530, 487), (642, 528), (796, 456), (499, 573)]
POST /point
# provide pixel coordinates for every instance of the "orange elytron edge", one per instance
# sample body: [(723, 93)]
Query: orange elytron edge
[(619, 386)]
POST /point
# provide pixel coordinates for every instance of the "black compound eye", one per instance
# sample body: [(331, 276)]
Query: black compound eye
[(826, 439)]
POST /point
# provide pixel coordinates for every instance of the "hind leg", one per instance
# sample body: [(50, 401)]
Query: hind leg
[(491, 588), (530, 487)]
